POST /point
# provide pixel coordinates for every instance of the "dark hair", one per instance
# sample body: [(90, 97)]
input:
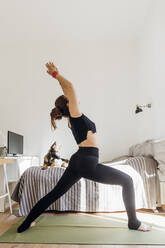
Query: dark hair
[(60, 110)]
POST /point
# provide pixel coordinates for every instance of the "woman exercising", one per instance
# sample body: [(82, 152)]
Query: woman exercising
[(84, 162)]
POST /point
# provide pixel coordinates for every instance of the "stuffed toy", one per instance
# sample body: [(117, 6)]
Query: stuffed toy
[(52, 158)]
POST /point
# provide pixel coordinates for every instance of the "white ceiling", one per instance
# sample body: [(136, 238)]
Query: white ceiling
[(72, 19)]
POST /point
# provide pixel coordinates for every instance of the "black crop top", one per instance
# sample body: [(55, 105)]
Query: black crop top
[(80, 126)]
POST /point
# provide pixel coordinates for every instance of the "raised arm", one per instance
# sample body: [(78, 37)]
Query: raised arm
[(68, 89)]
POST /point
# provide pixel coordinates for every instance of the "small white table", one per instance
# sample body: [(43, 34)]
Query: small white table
[(3, 162)]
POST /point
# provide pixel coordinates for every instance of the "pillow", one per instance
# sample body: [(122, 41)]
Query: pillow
[(142, 149), (152, 148)]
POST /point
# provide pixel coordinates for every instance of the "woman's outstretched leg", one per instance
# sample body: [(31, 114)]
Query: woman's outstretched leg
[(109, 175), (64, 184)]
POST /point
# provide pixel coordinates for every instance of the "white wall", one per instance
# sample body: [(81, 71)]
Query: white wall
[(151, 76), (104, 74), (95, 45)]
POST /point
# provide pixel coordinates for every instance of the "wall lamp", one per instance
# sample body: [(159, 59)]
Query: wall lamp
[(139, 107)]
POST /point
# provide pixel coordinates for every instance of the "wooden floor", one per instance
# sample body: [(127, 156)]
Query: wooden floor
[(6, 220)]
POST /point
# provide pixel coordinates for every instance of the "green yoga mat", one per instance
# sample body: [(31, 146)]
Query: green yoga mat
[(82, 230)]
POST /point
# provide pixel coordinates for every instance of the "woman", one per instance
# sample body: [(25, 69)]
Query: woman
[(84, 162)]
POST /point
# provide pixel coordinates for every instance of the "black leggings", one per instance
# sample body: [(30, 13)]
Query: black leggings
[(84, 163)]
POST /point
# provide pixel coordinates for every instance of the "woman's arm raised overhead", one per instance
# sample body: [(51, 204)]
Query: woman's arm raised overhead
[(68, 89), (70, 93)]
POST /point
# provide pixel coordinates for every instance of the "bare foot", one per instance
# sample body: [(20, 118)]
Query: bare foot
[(144, 227), (33, 224)]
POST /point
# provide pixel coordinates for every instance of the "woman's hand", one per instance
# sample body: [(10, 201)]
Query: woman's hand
[(51, 68)]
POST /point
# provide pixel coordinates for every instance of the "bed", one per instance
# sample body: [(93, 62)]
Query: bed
[(89, 196)]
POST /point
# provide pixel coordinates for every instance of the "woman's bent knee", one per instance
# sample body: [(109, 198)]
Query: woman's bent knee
[(127, 180)]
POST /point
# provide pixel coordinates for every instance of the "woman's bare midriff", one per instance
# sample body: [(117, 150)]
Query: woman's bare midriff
[(91, 140)]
